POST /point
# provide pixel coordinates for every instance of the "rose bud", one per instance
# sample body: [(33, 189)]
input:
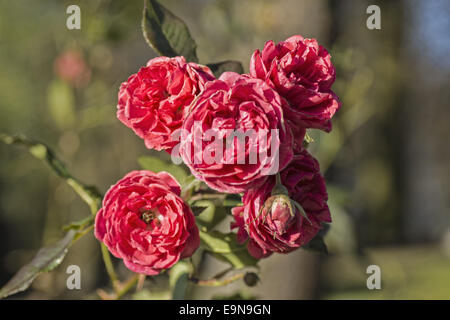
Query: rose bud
[(155, 101), (301, 71), (280, 210), (144, 221), (230, 106), (283, 215)]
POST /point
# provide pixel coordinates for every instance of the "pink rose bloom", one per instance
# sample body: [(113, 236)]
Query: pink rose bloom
[(267, 220), (215, 148), (144, 221), (301, 71), (154, 101)]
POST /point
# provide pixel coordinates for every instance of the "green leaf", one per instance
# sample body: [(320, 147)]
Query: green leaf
[(229, 65), (51, 256), (179, 279), (146, 294), (225, 247), (80, 224), (237, 259), (211, 215), (189, 186), (317, 243), (157, 165), (45, 260), (167, 34), (229, 202)]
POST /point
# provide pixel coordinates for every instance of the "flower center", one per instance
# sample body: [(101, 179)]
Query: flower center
[(149, 215)]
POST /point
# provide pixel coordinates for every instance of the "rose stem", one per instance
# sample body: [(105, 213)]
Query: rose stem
[(215, 282), (110, 268), (141, 280), (127, 286)]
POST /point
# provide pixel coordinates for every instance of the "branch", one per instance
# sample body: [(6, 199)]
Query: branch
[(51, 256), (88, 194), (214, 282)]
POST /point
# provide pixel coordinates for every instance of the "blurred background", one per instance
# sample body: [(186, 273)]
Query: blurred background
[(386, 162)]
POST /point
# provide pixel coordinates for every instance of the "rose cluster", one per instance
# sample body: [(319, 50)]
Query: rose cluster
[(238, 134)]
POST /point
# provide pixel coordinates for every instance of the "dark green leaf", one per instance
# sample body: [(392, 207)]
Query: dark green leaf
[(45, 260), (229, 65), (225, 247), (80, 224), (211, 215), (189, 186), (325, 228), (317, 244), (179, 279), (157, 165), (197, 210), (167, 34), (50, 257), (238, 259), (232, 202)]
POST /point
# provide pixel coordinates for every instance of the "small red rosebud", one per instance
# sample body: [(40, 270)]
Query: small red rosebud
[(281, 213), (281, 209)]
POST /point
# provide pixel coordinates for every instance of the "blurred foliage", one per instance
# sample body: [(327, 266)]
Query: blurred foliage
[(414, 272)]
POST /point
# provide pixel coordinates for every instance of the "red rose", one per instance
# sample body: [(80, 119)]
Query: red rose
[(144, 221), (153, 102), (235, 134), (267, 219), (301, 71)]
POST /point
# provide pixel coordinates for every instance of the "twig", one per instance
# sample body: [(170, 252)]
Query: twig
[(127, 286), (141, 282), (110, 268), (215, 282), (122, 289), (39, 150)]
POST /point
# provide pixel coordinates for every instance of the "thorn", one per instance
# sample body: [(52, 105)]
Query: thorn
[(302, 211)]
